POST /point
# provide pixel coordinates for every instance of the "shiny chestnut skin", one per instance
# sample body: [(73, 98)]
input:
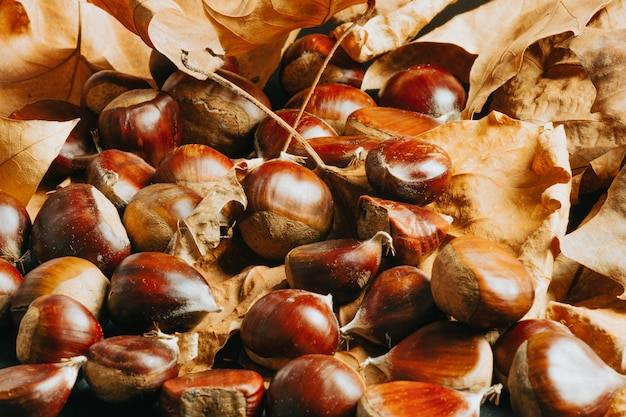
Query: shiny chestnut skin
[(155, 287), (145, 121), (270, 137), (387, 122), (408, 169), (78, 220), (288, 323), (151, 217), (78, 144), (119, 175), (193, 163), (10, 280), (56, 327), (288, 205), (332, 102), (426, 89), (314, 384), (215, 115), (104, 85), (15, 228), (303, 58)]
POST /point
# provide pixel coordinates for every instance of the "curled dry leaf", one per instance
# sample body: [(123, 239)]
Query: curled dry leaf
[(27, 148)]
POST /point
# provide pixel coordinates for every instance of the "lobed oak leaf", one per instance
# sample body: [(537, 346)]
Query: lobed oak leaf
[(27, 148)]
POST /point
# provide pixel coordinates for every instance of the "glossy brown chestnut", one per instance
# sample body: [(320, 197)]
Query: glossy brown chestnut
[(407, 169), (303, 59), (223, 392), (145, 121), (397, 303), (151, 217), (193, 163), (426, 89), (551, 374), (340, 267), (78, 220), (38, 390), (340, 151), (288, 206), (387, 122), (15, 228), (314, 384), (416, 231), (332, 102), (104, 85), (287, 323), (78, 144), (129, 368), (479, 282), (215, 115), (464, 360), (55, 327), (10, 280), (68, 275), (149, 288), (119, 175), (270, 137)]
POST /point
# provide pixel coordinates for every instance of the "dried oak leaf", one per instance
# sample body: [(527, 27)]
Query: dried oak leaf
[(235, 296), (598, 243), (27, 148), (50, 48)]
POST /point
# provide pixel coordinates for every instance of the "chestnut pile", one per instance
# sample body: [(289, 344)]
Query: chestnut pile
[(333, 188)]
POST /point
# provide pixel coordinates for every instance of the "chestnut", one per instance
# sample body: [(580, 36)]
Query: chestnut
[(78, 220), (408, 169), (386, 122), (78, 144), (339, 151), (288, 206), (303, 59), (56, 327), (103, 86), (15, 228), (287, 323), (155, 287), (145, 121), (314, 384), (427, 89), (151, 217), (10, 281), (215, 115), (193, 163)]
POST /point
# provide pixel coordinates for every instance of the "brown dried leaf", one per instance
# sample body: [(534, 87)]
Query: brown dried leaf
[(235, 296), (598, 243), (27, 148)]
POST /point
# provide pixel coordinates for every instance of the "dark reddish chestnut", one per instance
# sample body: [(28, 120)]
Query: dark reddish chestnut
[(10, 280), (316, 385), (425, 89), (151, 217), (193, 163), (78, 220), (119, 175), (288, 206), (416, 231), (287, 323), (145, 121), (407, 169), (340, 151), (340, 267), (304, 57), (223, 392), (397, 302), (332, 102), (104, 85), (15, 228), (56, 327), (215, 115), (78, 144), (130, 368), (386, 122), (270, 137), (149, 288), (38, 390)]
